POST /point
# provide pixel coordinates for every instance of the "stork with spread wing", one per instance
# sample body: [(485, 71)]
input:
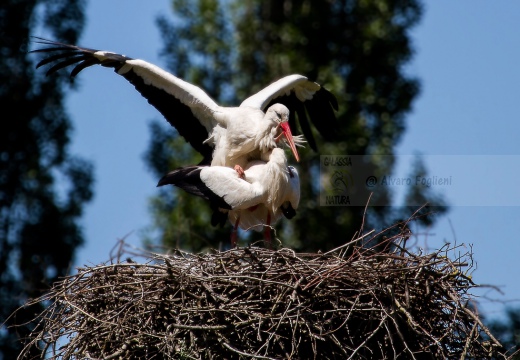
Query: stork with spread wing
[(225, 136)]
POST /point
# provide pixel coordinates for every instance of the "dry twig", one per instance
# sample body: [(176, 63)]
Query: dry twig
[(264, 304)]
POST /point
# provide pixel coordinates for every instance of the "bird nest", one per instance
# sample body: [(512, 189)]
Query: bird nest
[(264, 304)]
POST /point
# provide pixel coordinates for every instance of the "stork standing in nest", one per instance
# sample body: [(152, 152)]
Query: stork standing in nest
[(260, 196)]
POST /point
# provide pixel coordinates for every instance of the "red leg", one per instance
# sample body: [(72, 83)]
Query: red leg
[(240, 171), (267, 231), (234, 233)]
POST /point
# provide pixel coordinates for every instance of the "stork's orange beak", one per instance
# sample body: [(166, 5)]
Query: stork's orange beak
[(286, 131)]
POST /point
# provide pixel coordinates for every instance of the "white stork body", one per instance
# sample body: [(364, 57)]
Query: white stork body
[(250, 139), (268, 191), (225, 136)]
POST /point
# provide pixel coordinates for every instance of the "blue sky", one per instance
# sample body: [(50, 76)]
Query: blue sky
[(464, 123)]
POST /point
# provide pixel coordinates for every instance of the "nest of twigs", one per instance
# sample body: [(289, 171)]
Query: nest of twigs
[(264, 304)]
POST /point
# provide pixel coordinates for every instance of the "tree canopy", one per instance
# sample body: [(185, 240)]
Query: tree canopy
[(43, 188)]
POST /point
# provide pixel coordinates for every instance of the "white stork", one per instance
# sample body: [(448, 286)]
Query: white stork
[(265, 192), (225, 136)]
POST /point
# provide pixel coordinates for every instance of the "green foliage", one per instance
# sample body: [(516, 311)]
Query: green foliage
[(356, 49), (435, 204), (42, 188)]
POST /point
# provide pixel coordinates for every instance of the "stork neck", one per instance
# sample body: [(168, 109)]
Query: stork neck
[(278, 178), (266, 133)]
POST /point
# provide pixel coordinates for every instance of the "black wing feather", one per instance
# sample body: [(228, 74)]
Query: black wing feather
[(65, 63), (176, 113), (218, 218), (83, 65), (321, 112), (297, 108), (303, 120), (56, 57)]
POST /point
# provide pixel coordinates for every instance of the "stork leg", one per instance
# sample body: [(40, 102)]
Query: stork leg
[(234, 233), (267, 231), (240, 171)]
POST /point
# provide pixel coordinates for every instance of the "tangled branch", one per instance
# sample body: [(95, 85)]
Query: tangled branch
[(264, 304)]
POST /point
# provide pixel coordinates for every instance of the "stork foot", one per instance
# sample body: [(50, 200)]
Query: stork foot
[(240, 171)]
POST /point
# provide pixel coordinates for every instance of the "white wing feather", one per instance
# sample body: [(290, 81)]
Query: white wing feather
[(303, 88), (236, 192), (201, 104)]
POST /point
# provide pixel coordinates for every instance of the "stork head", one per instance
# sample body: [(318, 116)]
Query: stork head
[(279, 115)]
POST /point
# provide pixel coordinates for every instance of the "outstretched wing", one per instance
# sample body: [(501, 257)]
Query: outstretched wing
[(303, 97), (185, 106)]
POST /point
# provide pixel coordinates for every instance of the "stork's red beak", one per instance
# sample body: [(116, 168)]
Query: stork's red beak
[(286, 130)]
